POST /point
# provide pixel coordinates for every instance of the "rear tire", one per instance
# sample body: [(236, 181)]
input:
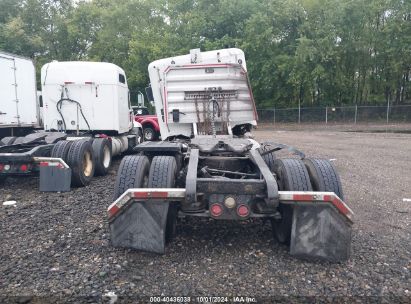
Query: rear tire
[(9, 140), (324, 176), (163, 172), (102, 154), (132, 173), (291, 176), (61, 149), (269, 158), (80, 159)]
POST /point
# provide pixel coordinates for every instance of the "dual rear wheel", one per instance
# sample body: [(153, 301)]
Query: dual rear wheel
[(292, 175), (85, 157), (302, 175), (79, 156), (135, 171)]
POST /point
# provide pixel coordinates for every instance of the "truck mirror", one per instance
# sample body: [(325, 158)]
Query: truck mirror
[(149, 93), (140, 99)]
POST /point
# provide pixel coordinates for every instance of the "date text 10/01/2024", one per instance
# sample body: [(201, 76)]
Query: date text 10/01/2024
[(203, 299)]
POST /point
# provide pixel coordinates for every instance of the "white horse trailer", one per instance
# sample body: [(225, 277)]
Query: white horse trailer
[(19, 111)]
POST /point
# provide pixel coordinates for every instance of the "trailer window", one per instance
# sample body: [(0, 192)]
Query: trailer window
[(121, 78)]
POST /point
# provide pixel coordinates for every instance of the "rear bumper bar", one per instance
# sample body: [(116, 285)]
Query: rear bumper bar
[(50, 162), (177, 194), (35, 164)]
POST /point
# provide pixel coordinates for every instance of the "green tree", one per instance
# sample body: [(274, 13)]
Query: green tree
[(307, 52)]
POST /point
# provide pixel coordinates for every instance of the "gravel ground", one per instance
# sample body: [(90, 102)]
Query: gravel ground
[(56, 246)]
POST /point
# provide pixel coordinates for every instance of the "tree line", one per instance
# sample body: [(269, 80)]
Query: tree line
[(307, 52)]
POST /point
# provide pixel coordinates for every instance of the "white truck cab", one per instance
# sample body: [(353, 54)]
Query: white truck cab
[(100, 87)]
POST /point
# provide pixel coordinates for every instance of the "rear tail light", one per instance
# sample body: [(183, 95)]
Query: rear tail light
[(216, 210), (24, 168), (243, 211), (1, 167)]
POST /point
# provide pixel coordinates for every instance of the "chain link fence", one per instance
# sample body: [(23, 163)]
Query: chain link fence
[(333, 115)]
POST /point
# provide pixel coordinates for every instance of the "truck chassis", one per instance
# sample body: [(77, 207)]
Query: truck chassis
[(60, 160), (209, 165), (227, 179)]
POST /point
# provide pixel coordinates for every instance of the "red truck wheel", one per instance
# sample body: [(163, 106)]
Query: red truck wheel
[(149, 134)]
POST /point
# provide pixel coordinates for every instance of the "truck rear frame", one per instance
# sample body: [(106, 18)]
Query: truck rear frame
[(220, 171)]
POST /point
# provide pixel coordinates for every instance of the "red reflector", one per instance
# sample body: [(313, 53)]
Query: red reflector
[(151, 194), (302, 197), (337, 203), (243, 211), (113, 210), (216, 210), (1, 167), (23, 168)]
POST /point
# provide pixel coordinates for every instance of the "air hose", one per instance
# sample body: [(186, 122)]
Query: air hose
[(59, 104)]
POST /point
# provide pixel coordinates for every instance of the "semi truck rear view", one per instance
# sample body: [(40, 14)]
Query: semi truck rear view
[(87, 120), (209, 165)]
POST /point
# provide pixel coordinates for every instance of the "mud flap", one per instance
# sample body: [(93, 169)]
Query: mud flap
[(142, 226), (320, 232), (54, 179)]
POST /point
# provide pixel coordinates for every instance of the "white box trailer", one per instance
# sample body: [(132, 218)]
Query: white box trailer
[(18, 99), (85, 96)]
